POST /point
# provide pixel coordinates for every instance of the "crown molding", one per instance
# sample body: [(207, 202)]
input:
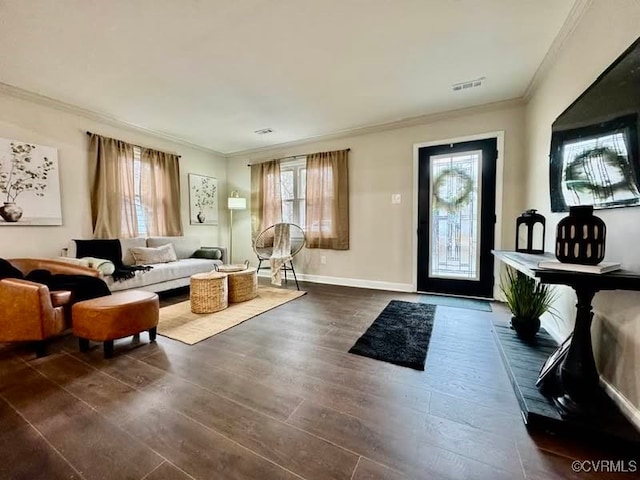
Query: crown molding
[(43, 100), (571, 22), (382, 127), (22, 94)]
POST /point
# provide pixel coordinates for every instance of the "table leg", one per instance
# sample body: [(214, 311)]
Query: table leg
[(577, 374), (108, 348), (84, 344)]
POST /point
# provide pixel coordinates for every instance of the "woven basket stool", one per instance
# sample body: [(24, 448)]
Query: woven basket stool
[(208, 292), (243, 285)]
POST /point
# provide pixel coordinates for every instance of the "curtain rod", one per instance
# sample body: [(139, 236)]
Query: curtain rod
[(295, 156), (139, 146)]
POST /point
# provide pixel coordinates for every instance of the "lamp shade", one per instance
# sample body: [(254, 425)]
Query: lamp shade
[(236, 203)]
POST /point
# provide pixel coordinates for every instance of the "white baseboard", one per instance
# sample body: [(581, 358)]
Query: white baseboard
[(349, 282), (626, 407)]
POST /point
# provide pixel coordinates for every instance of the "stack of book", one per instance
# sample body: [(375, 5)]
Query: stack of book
[(602, 267)]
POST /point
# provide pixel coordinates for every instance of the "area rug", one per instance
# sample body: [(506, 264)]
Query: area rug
[(399, 335), (456, 302), (177, 321)]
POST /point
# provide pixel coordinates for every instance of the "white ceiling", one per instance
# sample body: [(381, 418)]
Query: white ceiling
[(211, 72)]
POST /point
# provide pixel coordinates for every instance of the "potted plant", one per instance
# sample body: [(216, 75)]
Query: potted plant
[(527, 300)]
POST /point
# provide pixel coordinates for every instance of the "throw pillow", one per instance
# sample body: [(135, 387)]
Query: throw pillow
[(83, 262), (149, 255), (105, 267), (208, 253)]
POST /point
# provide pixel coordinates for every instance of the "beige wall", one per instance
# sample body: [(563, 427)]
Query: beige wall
[(382, 164), (605, 31), (28, 121)]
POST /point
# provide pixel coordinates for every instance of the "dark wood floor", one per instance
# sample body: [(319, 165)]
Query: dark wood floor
[(276, 397)]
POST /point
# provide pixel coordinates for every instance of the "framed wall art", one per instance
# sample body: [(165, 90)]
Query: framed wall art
[(596, 165), (29, 184), (595, 142), (203, 200)]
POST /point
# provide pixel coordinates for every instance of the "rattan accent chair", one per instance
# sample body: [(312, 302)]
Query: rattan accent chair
[(264, 243)]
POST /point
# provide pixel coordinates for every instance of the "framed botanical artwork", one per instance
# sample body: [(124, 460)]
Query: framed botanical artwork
[(29, 184), (203, 200)]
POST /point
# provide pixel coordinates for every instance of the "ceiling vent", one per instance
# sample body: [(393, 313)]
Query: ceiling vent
[(263, 131), (456, 87)]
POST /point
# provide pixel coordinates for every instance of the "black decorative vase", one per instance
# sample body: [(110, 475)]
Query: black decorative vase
[(525, 328), (580, 237), (200, 217), (10, 212)]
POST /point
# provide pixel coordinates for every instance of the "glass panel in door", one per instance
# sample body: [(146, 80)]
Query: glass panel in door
[(454, 249)]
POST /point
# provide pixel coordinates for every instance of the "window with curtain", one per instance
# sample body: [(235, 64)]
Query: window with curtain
[(135, 191), (327, 200), (311, 191), (293, 185), (141, 211)]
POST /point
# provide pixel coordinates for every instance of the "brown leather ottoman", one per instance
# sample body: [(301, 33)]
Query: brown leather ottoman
[(119, 315)]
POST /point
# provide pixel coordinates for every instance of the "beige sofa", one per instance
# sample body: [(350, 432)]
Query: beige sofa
[(163, 276)]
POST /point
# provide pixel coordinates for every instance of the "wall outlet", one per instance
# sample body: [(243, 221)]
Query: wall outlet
[(323, 259), (396, 198)]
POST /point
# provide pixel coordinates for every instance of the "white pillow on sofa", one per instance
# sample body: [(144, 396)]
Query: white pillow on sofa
[(184, 246), (103, 266), (127, 244), (149, 255)]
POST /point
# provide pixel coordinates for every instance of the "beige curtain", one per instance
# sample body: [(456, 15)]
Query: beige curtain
[(112, 189), (266, 197), (160, 192), (112, 180), (327, 200)]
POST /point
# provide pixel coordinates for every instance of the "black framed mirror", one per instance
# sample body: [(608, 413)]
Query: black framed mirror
[(594, 157)]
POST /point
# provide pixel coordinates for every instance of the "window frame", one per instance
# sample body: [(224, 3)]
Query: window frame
[(143, 229), (298, 166)]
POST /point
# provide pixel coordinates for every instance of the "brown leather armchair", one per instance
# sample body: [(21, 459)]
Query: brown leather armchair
[(28, 310)]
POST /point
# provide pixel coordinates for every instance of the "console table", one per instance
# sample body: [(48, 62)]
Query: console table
[(577, 374)]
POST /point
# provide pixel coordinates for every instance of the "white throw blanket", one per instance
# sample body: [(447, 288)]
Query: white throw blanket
[(281, 252)]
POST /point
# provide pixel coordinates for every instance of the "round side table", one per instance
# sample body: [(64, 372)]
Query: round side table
[(243, 285), (208, 292)]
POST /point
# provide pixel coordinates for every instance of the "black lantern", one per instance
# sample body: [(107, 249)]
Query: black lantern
[(530, 219), (580, 237)]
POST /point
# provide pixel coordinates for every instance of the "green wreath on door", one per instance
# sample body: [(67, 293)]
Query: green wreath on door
[(453, 203)]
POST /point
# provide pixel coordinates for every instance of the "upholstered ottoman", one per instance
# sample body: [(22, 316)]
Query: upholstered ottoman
[(122, 314)]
